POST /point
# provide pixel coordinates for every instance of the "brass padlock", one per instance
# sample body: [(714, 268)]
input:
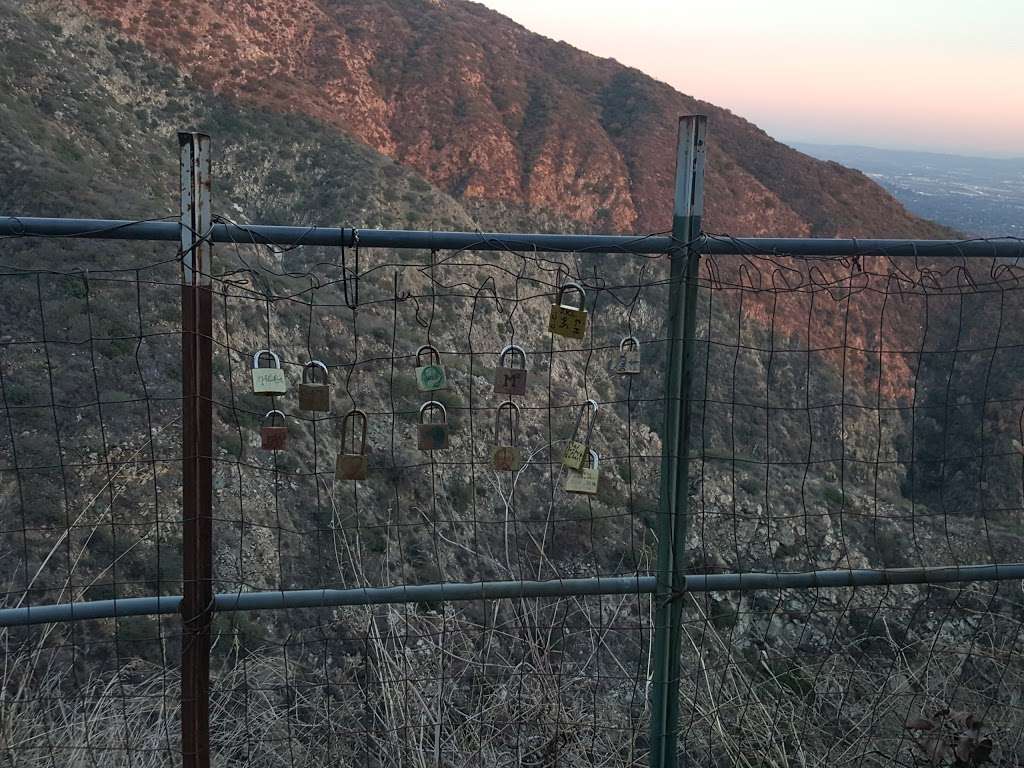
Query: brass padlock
[(268, 381), (567, 320), (629, 356), (584, 480), (273, 438), (576, 452), (433, 435), (510, 375), (507, 456), (315, 395), (431, 376), (351, 465)]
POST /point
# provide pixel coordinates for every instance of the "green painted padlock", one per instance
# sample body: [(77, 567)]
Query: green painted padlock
[(584, 480), (268, 381), (430, 375), (433, 435), (567, 320), (576, 453), (352, 464), (629, 356), (507, 456)]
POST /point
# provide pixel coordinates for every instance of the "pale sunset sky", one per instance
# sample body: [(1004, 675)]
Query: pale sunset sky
[(936, 75)]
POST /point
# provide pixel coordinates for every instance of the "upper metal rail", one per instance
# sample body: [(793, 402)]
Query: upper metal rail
[(170, 231)]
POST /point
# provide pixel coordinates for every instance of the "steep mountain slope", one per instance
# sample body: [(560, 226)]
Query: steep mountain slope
[(491, 112)]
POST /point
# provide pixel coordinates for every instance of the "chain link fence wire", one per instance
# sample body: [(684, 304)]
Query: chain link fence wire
[(849, 413)]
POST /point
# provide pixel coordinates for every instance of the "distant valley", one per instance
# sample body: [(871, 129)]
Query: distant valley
[(976, 195)]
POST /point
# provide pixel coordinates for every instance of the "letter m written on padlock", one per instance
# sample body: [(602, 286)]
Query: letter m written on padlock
[(268, 381), (567, 320), (432, 435), (510, 375), (351, 463)]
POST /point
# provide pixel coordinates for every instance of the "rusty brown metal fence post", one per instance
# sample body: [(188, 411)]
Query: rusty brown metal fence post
[(197, 449)]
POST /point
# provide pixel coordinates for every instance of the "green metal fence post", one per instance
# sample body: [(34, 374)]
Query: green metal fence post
[(675, 476)]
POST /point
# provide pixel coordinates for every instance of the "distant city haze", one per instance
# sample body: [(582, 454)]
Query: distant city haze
[(935, 75)]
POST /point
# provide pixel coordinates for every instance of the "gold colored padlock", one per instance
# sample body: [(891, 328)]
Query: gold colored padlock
[(510, 375), (430, 376), (584, 480), (433, 435), (507, 456), (567, 320), (273, 438), (315, 395), (629, 356), (576, 452), (268, 381), (352, 465)]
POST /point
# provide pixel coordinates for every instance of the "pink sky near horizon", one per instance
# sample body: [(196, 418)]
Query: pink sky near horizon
[(931, 75)]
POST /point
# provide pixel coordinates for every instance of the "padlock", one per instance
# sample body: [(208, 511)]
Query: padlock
[(273, 438), (507, 456), (576, 452), (510, 375), (430, 377), (351, 465), (314, 395), (629, 356), (584, 480), (268, 381), (433, 435), (567, 320)]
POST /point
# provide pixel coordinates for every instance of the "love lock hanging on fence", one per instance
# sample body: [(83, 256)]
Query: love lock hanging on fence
[(315, 395), (510, 375), (430, 376), (567, 320), (585, 480), (576, 452), (433, 435), (507, 456), (273, 438), (268, 381), (629, 356), (352, 465)]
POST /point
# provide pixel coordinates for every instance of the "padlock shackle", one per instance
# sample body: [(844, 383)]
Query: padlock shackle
[(433, 405), (560, 296), (310, 367), (512, 350), (355, 413), (270, 415), (513, 418), (594, 459), (434, 355), (629, 340), (256, 358), (590, 421)]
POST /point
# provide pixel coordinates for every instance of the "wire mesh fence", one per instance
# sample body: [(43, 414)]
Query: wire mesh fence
[(849, 413)]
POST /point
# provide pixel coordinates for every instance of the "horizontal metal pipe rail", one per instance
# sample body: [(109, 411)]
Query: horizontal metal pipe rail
[(490, 590), (117, 229)]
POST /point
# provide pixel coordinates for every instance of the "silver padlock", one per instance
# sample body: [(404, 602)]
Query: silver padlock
[(430, 376), (510, 375), (629, 356), (507, 456), (584, 480), (576, 452), (565, 319), (433, 435), (315, 395), (268, 381), (352, 465)]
